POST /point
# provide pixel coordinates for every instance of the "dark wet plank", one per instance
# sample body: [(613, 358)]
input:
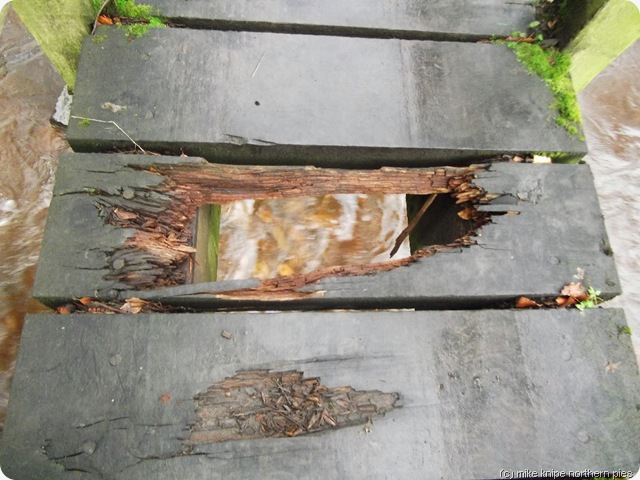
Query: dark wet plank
[(413, 19), (481, 392), (554, 234), (263, 98)]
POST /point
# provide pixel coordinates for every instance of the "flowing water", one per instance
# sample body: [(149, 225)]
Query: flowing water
[(290, 236), (29, 146), (610, 107)]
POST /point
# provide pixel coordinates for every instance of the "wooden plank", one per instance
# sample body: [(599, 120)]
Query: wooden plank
[(98, 396), (434, 20), (119, 226), (262, 98)]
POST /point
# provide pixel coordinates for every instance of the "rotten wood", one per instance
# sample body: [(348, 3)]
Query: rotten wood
[(215, 183), (291, 287), (160, 253), (262, 404)]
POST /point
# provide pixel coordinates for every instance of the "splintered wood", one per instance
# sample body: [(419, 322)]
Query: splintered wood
[(160, 252), (260, 404)]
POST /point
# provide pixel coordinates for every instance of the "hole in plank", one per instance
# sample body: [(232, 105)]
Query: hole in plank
[(160, 249), (441, 224), (265, 239)]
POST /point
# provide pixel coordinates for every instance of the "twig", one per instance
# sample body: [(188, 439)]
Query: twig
[(258, 65), (95, 23), (405, 233), (114, 124)]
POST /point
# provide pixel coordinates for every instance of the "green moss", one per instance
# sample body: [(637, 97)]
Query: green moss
[(85, 122), (136, 30), (215, 214), (612, 30), (207, 244), (125, 8), (553, 67), (624, 330), (59, 27), (135, 19)]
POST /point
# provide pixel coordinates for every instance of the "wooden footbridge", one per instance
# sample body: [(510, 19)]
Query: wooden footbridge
[(417, 368)]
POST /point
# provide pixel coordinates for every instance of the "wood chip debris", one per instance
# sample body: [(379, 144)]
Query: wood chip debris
[(261, 404)]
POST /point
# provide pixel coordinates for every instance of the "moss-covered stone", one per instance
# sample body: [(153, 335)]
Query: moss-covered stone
[(59, 28)]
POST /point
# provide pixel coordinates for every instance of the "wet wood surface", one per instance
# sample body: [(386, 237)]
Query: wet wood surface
[(280, 99), (120, 226), (478, 392), (437, 20)]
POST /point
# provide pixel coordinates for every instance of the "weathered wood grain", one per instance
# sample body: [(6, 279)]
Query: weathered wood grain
[(112, 396), (434, 20), (119, 226), (277, 99)]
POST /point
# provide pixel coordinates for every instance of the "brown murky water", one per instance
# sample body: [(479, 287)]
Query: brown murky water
[(29, 146), (299, 235), (610, 107), (29, 87)]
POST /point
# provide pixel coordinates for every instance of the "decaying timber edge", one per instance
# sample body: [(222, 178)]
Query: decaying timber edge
[(160, 252), (261, 404)]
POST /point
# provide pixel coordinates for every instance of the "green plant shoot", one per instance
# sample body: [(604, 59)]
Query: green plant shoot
[(592, 301)]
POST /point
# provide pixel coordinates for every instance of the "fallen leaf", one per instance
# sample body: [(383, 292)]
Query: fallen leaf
[(165, 398), (511, 38), (575, 290), (133, 305), (524, 302), (467, 214), (85, 301), (104, 20), (63, 310), (565, 301), (292, 431)]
